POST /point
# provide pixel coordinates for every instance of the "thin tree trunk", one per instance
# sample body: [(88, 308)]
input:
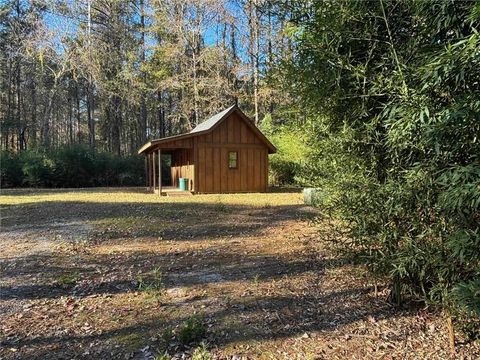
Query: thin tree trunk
[(143, 104), (33, 128), (90, 116), (77, 111), (160, 115), (270, 51), (70, 119), (116, 124), (451, 336), (18, 119), (253, 22), (195, 87), (233, 46), (9, 103)]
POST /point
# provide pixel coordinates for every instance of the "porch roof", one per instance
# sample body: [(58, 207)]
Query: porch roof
[(205, 127)]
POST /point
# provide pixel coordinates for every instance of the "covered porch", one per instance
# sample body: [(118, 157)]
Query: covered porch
[(165, 166)]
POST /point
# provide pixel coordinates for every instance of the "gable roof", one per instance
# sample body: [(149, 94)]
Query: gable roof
[(211, 122), (208, 126)]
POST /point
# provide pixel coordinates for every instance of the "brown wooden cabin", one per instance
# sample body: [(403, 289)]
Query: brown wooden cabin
[(227, 153)]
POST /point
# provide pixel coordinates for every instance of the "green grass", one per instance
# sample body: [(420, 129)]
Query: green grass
[(201, 353), (193, 330), (152, 283), (130, 341), (68, 279), (113, 195)]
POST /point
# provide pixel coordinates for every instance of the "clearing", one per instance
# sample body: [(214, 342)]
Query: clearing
[(119, 274)]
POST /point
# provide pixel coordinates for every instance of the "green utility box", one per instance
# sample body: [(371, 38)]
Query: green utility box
[(183, 184)]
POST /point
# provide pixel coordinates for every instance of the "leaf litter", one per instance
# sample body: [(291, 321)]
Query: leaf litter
[(262, 279)]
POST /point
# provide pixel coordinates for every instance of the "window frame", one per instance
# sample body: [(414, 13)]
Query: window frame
[(236, 160)]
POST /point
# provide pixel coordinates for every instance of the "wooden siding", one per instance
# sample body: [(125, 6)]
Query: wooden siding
[(182, 166), (212, 172)]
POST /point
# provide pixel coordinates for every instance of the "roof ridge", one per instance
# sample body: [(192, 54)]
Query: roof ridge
[(212, 121)]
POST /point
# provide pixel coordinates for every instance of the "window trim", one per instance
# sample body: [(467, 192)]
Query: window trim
[(236, 160)]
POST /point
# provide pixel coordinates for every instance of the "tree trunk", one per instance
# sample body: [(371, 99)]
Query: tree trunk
[(160, 115), (77, 113), (116, 123), (70, 119), (33, 127), (195, 87), (253, 22), (18, 119), (143, 105), (90, 116)]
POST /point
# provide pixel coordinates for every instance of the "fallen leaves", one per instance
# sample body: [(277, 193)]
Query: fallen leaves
[(264, 280)]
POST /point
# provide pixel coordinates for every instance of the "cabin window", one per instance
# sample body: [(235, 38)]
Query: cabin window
[(232, 159)]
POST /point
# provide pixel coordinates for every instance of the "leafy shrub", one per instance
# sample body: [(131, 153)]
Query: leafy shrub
[(282, 171), (37, 169), (74, 166), (286, 164), (70, 166), (193, 330), (10, 170), (394, 141)]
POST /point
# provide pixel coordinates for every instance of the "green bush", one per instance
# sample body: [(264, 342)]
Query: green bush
[(394, 140), (193, 330), (282, 171), (70, 166), (11, 170), (74, 166), (37, 168), (285, 166)]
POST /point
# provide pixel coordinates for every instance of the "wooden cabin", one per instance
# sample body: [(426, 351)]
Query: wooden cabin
[(224, 154)]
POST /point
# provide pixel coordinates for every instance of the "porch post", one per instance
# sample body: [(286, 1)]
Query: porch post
[(149, 173), (159, 172), (146, 171), (153, 169)]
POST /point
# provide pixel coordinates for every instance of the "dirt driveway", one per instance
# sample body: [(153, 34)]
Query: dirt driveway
[(120, 274)]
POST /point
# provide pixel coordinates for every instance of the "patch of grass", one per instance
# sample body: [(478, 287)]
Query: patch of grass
[(193, 330), (152, 283), (68, 279), (221, 207), (130, 341), (126, 195), (129, 225), (201, 353), (167, 337)]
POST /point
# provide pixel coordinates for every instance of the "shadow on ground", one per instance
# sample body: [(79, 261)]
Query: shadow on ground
[(229, 262)]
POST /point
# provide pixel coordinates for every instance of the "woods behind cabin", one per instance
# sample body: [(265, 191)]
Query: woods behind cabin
[(375, 102)]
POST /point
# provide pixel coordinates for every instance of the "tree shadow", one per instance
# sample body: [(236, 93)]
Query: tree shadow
[(270, 318), (220, 262), (174, 220)]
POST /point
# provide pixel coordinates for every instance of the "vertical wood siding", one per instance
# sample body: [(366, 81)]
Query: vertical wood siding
[(182, 166), (212, 170)]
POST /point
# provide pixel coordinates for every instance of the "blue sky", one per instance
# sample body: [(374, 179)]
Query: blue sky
[(64, 25)]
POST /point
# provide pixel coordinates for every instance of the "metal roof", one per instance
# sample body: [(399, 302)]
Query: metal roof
[(207, 126), (211, 122)]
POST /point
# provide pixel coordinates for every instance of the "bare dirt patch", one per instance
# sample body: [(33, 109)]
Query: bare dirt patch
[(112, 274)]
